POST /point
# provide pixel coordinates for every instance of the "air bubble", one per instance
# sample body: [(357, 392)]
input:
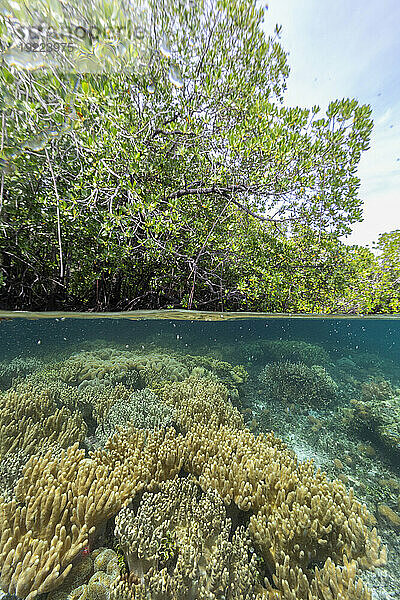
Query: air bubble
[(13, 153), (4, 164)]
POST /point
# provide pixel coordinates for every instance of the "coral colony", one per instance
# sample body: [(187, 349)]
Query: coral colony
[(135, 474)]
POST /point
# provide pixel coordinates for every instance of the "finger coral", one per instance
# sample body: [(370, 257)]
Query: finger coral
[(16, 368), (201, 399), (48, 523), (298, 519), (30, 421), (60, 501)]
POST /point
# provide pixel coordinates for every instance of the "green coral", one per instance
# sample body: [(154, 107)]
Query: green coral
[(167, 549), (296, 382), (123, 567)]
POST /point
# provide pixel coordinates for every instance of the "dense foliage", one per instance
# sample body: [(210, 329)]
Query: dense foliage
[(187, 182)]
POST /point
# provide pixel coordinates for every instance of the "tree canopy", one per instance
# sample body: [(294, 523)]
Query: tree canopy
[(182, 181)]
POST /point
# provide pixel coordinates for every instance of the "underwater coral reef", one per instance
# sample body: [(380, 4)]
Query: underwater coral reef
[(138, 474)]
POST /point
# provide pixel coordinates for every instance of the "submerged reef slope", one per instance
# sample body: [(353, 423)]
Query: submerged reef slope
[(107, 362), (202, 510), (376, 416), (16, 368)]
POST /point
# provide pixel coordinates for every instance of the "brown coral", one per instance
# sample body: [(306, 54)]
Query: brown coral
[(201, 399), (30, 421), (60, 502)]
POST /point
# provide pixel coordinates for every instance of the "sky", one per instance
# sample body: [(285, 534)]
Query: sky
[(351, 49)]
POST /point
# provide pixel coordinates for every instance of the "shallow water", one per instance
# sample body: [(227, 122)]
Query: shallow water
[(328, 387)]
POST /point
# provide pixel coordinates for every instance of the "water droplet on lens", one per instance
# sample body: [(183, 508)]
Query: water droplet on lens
[(25, 60), (4, 164), (105, 52), (7, 98), (120, 49), (151, 88), (164, 48), (65, 127), (53, 132), (36, 143), (175, 76), (13, 153)]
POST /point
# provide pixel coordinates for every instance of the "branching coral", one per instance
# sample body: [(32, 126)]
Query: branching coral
[(296, 351), (201, 399), (16, 368), (31, 421), (282, 350), (48, 523), (298, 517), (306, 531), (141, 408), (296, 382), (59, 502)]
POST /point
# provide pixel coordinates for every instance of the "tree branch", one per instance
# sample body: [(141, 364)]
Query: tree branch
[(226, 193), (58, 217)]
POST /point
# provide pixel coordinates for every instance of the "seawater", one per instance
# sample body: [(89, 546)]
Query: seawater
[(328, 387)]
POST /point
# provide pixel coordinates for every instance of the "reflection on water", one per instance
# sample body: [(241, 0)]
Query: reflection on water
[(132, 462)]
